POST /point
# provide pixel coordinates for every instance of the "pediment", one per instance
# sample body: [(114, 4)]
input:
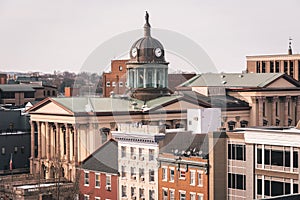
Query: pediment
[(281, 83), (51, 108)]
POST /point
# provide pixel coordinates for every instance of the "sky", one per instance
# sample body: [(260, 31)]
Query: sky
[(41, 35)]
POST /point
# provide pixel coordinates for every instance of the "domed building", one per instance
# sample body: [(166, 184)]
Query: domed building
[(147, 69)]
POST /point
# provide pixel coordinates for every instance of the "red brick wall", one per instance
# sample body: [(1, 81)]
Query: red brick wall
[(98, 192), (116, 75), (183, 184)]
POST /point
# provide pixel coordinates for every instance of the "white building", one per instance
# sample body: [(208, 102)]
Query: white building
[(260, 163), (138, 166)]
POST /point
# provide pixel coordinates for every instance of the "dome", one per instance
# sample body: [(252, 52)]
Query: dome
[(147, 49)]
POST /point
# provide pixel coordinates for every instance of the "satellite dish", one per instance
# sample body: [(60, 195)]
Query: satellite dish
[(176, 151), (200, 152), (188, 153)]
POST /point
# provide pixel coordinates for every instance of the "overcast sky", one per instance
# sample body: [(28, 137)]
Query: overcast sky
[(38, 35)]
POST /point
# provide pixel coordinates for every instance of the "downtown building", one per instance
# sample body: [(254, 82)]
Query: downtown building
[(257, 163)]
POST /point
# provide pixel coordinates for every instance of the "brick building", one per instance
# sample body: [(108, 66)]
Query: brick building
[(283, 63), (3, 78), (99, 173), (115, 81), (183, 171)]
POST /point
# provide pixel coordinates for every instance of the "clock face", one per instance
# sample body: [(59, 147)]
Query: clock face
[(158, 52), (134, 52)]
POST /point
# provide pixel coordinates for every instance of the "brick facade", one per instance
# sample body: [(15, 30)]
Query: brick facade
[(116, 79), (182, 181), (102, 192)]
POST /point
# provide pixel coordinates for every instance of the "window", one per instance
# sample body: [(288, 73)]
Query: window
[(120, 84), (97, 198), (151, 195), (259, 156), (164, 174), (277, 68), (142, 174), (86, 179), (107, 84), (86, 197), (236, 152), (120, 68), (275, 188), (133, 193), (124, 191), (231, 125), (123, 152), (200, 178), (285, 67), (192, 196), (263, 67), (257, 67), (3, 150), (142, 193), (237, 181), (15, 150), (182, 174), (108, 182), (291, 68), (199, 196), (243, 123), (151, 175), (172, 172), (151, 154), (141, 156), (97, 180), (132, 153), (274, 157), (192, 177), (182, 195), (123, 172), (132, 173), (172, 194), (165, 193), (113, 84), (271, 66), (295, 159)]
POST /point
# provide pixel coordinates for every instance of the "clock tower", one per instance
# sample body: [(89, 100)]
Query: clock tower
[(147, 69)]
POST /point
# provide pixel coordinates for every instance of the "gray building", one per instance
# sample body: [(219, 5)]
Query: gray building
[(14, 142)]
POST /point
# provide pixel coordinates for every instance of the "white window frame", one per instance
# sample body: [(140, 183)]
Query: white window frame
[(97, 198), (86, 180), (113, 84), (172, 191), (106, 182), (107, 83), (121, 84), (151, 156), (86, 197), (193, 177), (200, 181), (200, 196), (164, 173), (180, 193), (193, 194), (97, 174), (172, 178), (163, 193)]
